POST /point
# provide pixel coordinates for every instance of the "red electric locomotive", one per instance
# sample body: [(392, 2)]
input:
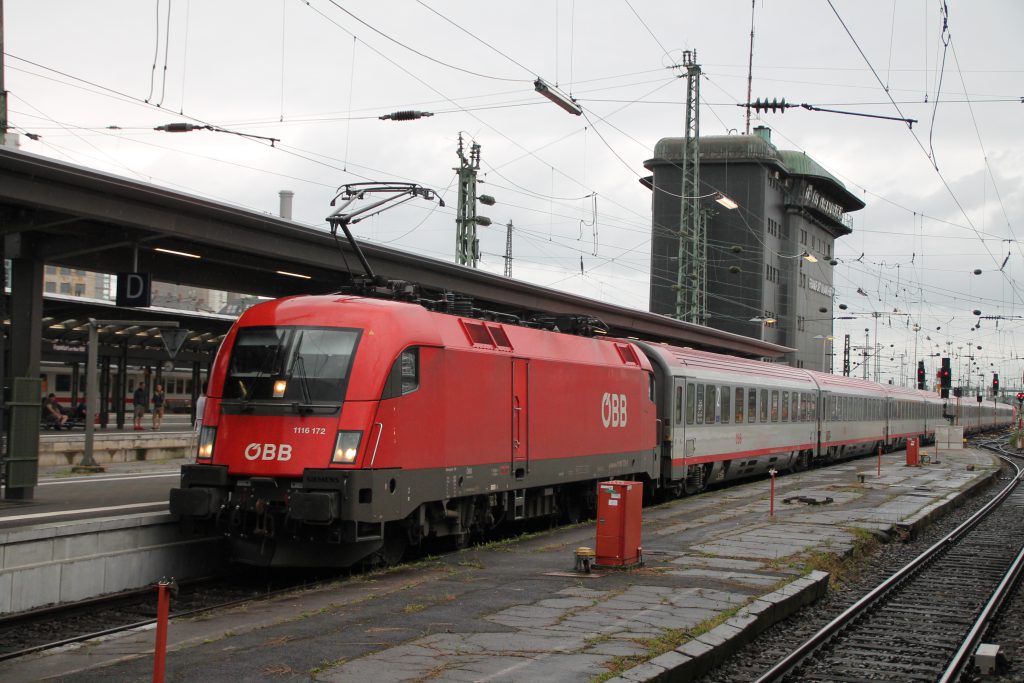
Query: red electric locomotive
[(339, 427)]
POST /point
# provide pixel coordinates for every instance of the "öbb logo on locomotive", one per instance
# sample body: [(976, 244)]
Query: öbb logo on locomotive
[(613, 410), (268, 451)]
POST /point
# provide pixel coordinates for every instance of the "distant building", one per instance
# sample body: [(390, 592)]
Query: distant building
[(186, 297), (758, 285), (59, 280)]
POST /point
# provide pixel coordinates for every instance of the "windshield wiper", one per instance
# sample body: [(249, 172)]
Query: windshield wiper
[(299, 365)]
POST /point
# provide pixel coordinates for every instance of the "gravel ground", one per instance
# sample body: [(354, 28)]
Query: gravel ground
[(757, 657)]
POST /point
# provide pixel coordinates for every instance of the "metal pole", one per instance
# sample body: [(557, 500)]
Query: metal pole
[(91, 395), (867, 342), (3, 89), (91, 389), (876, 314), (163, 608)]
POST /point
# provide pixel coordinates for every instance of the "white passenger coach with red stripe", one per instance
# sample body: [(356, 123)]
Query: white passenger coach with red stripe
[(725, 417)]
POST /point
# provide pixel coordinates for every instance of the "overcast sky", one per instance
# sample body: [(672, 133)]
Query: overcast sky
[(316, 78)]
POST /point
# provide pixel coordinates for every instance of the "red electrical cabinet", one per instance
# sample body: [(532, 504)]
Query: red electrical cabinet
[(913, 453), (619, 514)]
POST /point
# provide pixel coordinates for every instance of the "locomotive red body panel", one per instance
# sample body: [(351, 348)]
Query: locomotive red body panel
[(332, 416)]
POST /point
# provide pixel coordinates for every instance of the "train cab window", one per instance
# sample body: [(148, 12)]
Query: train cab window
[(710, 404), (726, 404), (691, 403), (291, 364), (739, 405), (764, 405), (679, 405), (785, 406), (775, 405)]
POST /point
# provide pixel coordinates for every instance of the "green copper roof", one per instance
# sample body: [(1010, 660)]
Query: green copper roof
[(798, 163), (756, 149), (720, 147)]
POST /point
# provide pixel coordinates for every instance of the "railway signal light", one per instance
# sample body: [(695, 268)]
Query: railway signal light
[(945, 378), (995, 384), (1020, 397), (920, 374)]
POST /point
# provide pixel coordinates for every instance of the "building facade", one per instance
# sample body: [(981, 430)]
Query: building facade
[(768, 262)]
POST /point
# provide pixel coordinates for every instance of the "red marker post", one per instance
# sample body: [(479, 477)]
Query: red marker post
[(165, 588), (771, 505)]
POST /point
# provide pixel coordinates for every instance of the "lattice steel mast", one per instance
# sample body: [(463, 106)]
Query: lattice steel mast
[(691, 276), (467, 246)]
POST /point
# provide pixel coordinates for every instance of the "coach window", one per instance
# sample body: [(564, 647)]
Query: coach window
[(775, 405), (751, 405), (794, 409), (739, 405), (785, 406), (710, 404), (764, 405), (726, 404), (679, 405), (691, 403)]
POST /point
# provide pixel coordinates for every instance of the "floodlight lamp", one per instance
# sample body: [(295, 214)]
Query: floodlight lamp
[(726, 201), (555, 95)]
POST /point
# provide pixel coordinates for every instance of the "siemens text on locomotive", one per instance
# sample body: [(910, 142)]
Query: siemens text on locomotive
[(340, 428)]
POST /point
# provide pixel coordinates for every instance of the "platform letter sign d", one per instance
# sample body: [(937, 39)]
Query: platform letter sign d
[(133, 289)]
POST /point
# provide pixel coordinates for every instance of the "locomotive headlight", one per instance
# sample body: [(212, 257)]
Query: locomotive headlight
[(279, 387), (346, 447), (207, 435)]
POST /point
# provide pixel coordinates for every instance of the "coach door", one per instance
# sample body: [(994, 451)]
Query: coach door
[(520, 417), (683, 444)]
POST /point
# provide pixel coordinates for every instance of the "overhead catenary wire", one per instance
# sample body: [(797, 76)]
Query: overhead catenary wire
[(418, 52)]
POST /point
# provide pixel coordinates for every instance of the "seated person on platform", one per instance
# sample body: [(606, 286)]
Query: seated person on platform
[(52, 413)]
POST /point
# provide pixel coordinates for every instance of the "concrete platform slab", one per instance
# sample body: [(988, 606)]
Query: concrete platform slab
[(719, 570)]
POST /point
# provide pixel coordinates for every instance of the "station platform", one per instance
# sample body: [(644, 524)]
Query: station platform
[(718, 569)]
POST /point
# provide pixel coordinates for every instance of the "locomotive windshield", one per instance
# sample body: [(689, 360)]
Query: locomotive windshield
[(290, 364)]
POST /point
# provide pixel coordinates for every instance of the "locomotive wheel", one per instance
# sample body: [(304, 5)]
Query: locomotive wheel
[(396, 542)]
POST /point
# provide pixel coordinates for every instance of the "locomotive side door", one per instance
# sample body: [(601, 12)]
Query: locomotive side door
[(520, 416)]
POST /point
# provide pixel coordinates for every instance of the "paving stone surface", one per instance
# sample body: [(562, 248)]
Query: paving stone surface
[(500, 613)]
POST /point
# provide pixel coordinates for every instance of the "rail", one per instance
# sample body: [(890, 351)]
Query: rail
[(796, 658)]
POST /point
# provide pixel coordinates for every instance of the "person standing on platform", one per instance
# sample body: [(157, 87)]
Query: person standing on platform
[(139, 403), (158, 406)]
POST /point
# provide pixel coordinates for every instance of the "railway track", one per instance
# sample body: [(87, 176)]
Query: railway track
[(28, 632), (924, 622)]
